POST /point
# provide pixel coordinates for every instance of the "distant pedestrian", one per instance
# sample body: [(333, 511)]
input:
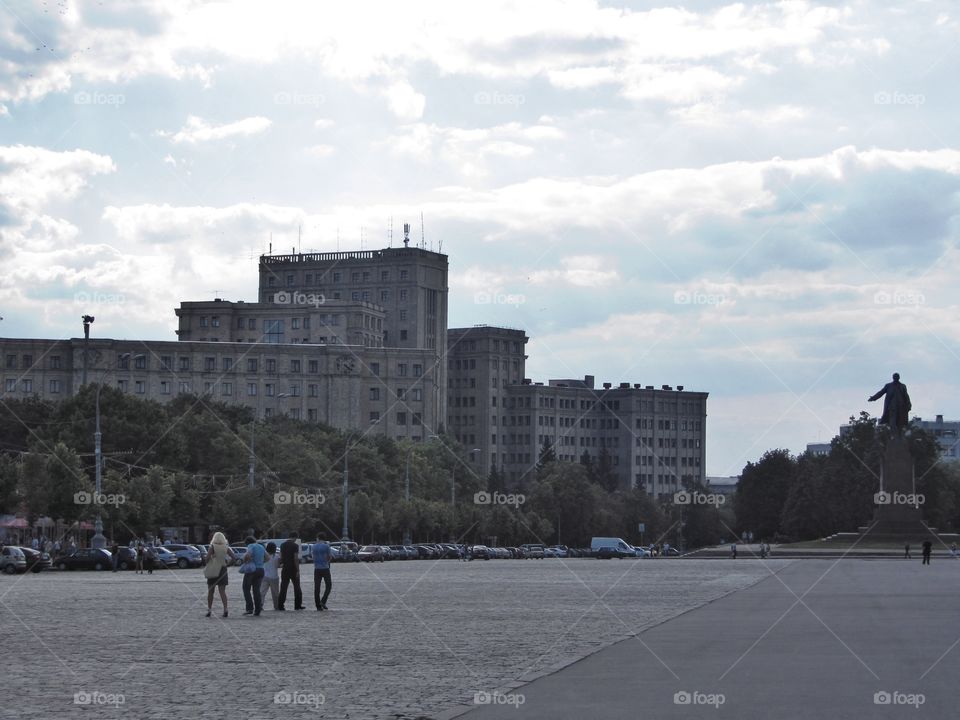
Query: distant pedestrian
[(150, 559), (252, 598), (56, 547), (763, 550), (321, 572), (906, 551), (219, 557), (953, 550), (927, 549), (140, 553), (35, 543), (733, 551), (115, 554), (271, 574), (290, 573)]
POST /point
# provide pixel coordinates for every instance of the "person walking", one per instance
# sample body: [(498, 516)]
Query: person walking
[(927, 550), (271, 574), (290, 573), (252, 598), (140, 552), (219, 557), (150, 558), (733, 551), (115, 554), (906, 551), (953, 549), (321, 572)]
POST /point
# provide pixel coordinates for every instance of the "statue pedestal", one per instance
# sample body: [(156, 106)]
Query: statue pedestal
[(897, 513)]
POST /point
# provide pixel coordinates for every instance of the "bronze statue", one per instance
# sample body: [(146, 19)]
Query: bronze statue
[(896, 404)]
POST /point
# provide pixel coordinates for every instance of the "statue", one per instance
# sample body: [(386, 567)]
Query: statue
[(896, 404)]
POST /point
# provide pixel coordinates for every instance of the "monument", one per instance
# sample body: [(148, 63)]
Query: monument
[(898, 510)]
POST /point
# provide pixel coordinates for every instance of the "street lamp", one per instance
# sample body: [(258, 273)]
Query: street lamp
[(98, 541), (87, 320)]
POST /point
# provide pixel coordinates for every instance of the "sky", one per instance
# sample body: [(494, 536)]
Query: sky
[(759, 201)]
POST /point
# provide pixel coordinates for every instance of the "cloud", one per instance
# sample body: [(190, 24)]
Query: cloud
[(198, 130)]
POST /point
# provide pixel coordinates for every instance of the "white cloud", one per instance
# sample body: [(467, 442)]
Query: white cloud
[(198, 130), (405, 102), (321, 151)]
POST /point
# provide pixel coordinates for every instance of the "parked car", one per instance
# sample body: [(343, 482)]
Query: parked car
[(399, 552), (126, 558), (370, 553), (642, 552), (86, 559), (607, 552), (238, 552), (479, 552), (187, 555), (426, 552), (533, 550), (559, 551), (387, 552), (37, 560), (346, 551), (12, 560)]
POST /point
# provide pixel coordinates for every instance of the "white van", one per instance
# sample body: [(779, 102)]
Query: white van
[(614, 545)]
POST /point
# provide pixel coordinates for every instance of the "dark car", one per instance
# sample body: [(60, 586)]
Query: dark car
[(86, 559), (399, 552), (36, 559), (479, 552), (187, 555), (608, 551), (533, 550), (370, 553)]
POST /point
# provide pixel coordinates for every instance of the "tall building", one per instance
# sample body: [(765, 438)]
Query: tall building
[(653, 437)]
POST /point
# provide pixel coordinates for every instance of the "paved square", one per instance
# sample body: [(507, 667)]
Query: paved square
[(401, 639)]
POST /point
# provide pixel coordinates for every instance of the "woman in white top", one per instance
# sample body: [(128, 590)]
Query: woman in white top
[(271, 573), (219, 558)]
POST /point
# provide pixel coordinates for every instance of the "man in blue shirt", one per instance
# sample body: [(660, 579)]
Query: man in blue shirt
[(256, 554), (321, 571)]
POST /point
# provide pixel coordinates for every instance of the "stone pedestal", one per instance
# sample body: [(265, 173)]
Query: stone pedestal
[(898, 513)]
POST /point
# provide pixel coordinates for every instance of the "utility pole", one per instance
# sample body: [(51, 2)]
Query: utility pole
[(345, 532), (253, 457), (87, 319)]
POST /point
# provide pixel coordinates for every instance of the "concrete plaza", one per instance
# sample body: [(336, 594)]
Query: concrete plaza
[(819, 639), (401, 640)]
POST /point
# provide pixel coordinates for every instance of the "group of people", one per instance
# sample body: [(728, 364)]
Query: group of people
[(267, 569), (927, 551)]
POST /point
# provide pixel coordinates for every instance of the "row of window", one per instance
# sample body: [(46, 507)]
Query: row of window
[(335, 276), (26, 361), (415, 394)]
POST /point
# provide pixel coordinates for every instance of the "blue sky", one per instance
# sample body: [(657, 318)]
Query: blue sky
[(757, 200)]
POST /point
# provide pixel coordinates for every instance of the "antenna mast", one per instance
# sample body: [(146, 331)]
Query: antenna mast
[(423, 241)]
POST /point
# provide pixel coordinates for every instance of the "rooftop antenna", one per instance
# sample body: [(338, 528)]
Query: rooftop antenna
[(390, 232), (423, 241), (299, 232), (216, 293), (271, 244), (406, 234)]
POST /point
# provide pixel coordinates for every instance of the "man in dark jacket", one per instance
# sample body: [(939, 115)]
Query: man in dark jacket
[(290, 572)]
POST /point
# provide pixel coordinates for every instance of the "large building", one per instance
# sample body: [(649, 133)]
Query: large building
[(654, 436), (360, 340)]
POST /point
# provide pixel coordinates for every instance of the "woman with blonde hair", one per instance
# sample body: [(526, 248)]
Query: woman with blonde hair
[(219, 558)]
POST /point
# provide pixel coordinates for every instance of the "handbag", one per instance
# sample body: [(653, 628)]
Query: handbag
[(248, 567), (213, 569)]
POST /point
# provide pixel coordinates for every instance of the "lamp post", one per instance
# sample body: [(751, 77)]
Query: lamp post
[(345, 530), (407, 534), (98, 541), (87, 320)]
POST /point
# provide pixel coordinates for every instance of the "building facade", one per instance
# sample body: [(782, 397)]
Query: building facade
[(654, 437)]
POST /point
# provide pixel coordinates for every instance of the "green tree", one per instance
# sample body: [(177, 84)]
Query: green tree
[(762, 492)]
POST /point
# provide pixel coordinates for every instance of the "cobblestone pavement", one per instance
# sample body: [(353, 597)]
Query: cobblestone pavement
[(401, 640)]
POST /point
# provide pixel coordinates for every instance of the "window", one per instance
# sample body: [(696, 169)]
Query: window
[(251, 389), (375, 369), (252, 324), (374, 416), (355, 295), (210, 364), (11, 361), (401, 393), (295, 390), (273, 331), (418, 394), (312, 414), (271, 365), (417, 370), (55, 362), (164, 387), (417, 419), (208, 388), (11, 385), (140, 387), (290, 280), (184, 387), (54, 387), (140, 362), (215, 321), (403, 274), (313, 366), (185, 364), (227, 364), (403, 295), (268, 390), (251, 365), (312, 390), (403, 334), (294, 366), (226, 388), (402, 369), (384, 296), (203, 322), (336, 277), (401, 418), (374, 393), (295, 323), (166, 362), (403, 314), (123, 362), (240, 324)]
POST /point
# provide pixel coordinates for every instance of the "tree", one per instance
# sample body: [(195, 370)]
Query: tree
[(546, 455), (762, 493)]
